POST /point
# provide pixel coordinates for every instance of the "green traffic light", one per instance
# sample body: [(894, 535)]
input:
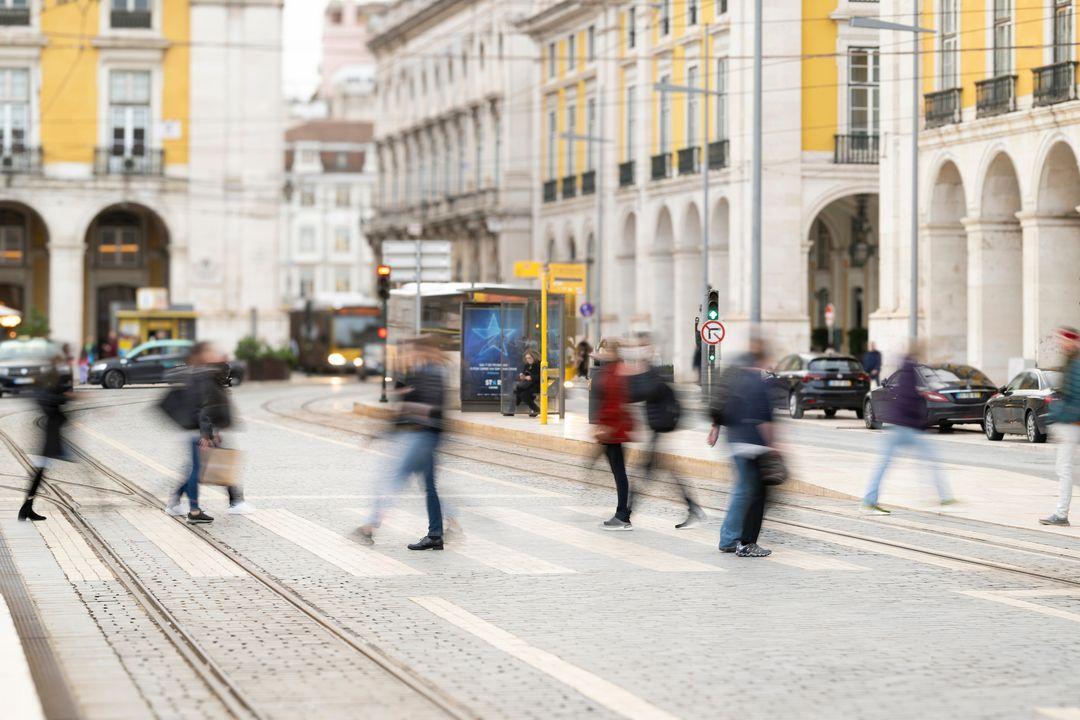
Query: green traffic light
[(713, 314)]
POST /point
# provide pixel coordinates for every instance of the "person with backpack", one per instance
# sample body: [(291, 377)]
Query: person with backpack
[(55, 389)]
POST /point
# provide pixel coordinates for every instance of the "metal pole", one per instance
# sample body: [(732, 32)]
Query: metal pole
[(599, 274), (913, 321), (755, 228), (544, 345), (385, 355), (706, 376), (419, 301)]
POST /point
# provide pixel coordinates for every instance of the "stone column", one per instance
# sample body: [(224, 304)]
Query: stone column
[(66, 290), (1051, 279), (944, 288), (995, 299)]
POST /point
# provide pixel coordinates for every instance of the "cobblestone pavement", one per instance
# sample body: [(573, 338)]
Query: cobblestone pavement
[(536, 613)]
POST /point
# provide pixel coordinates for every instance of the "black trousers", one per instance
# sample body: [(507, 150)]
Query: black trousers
[(755, 509), (655, 464), (617, 461), (527, 396)]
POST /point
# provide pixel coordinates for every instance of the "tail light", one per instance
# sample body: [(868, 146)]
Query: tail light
[(810, 377), (1050, 399), (862, 377), (934, 396)]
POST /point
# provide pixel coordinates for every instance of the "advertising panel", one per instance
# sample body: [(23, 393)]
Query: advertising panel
[(492, 340)]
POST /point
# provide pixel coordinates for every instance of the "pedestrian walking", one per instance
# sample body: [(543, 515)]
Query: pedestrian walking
[(528, 384), (614, 424), (1065, 424), (581, 367), (51, 397), (420, 418), (871, 362), (741, 404), (906, 412)]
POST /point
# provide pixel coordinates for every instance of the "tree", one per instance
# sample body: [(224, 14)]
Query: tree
[(35, 324)]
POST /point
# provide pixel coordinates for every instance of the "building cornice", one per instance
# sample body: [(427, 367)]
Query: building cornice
[(557, 17), (241, 3), (396, 31)]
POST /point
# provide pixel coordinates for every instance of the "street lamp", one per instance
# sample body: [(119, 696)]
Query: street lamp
[(915, 30)]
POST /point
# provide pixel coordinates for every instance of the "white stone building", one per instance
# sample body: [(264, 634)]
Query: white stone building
[(454, 131)]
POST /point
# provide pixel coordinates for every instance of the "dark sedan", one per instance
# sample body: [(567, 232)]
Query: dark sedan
[(815, 381), (947, 398), (24, 361), (1020, 407), (151, 362)]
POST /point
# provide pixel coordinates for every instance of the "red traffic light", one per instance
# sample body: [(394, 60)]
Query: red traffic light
[(382, 333), (383, 271)]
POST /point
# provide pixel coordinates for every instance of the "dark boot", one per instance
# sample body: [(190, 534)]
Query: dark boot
[(26, 512), (427, 543)]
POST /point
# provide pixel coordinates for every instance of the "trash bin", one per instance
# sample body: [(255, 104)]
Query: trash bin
[(507, 385)]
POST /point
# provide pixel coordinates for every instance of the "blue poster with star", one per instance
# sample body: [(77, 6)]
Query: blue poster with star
[(492, 339)]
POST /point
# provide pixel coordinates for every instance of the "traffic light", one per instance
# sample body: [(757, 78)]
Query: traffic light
[(383, 272), (712, 311), (382, 333)]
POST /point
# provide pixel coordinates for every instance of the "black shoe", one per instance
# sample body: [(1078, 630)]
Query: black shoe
[(26, 512), (427, 543), (533, 413), (616, 524), (729, 548), (196, 518), (364, 535), (752, 550), (695, 516)]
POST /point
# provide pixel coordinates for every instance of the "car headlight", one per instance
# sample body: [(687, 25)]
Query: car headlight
[(98, 367), (336, 359), (358, 362), (45, 368)]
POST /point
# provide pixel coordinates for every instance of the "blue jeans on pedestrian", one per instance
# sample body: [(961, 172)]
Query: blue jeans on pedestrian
[(191, 485), (896, 438), (419, 459), (741, 495)]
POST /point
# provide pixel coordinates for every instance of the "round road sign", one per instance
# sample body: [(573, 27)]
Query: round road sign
[(712, 332), (587, 309)]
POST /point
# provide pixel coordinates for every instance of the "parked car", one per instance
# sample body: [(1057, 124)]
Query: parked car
[(1020, 407), (948, 398), (818, 381), (23, 361), (151, 362)]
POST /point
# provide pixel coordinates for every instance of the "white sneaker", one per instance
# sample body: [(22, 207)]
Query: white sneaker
[(174, 510), (241, 508)]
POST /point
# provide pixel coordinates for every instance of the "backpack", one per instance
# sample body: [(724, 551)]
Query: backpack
[(178, 406), (721, 394), (662, 409)]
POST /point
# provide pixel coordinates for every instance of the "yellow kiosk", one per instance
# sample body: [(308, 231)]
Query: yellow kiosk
[(153, 319)]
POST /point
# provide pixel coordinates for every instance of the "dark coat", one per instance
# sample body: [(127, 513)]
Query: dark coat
[(533, 371), (907, 409), (55, 385)]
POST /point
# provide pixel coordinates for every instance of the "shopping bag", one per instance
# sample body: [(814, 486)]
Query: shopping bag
[(220, 466)]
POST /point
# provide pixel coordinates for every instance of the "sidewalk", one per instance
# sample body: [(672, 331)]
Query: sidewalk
[(995, 496)]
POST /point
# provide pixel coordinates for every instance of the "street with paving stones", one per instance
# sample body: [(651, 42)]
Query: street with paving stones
[(535, 613)]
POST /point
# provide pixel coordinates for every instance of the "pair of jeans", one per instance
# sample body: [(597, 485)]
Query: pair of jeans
[(419, 459), (190, 487), (896, 437), (617, 461), (1068, 437), (746, 508)]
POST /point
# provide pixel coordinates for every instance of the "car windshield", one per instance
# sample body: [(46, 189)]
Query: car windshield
[(352, 331), (1055, 378), (835, 365), (940, 377), (19, 349), (150, 349)]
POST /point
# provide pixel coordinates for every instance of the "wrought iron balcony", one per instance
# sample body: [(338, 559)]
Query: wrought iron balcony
[(1055, 83), (661, 166), (20, 161), (718, 154), (942, 107), (14, 16), (626, 173), (856, 149), (995, 96), (689, 160), (551, 190), (588, 182), (131, 19), (569, 186), (138, 161)]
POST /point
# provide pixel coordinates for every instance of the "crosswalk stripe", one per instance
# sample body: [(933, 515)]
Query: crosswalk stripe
[(786, 556), (597, 541), (72, 554), (191, 553), (879, 548), (335, 549), (594, 687), (1064, 713), (485, 552), (1001, 597), (16, 683), (963, 533)]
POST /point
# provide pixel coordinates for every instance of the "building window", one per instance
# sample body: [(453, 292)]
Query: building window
[(950, 44), (721, 99), (479, 151), (691, 12), (129, 112), (448, 164), (343, 196), (571, 129), (631, 27), (307, 240), (496, 129), (342, 279), (691, 107), (665, 117), (863, 77), (461, 159), (342, 241), (665, 17), (591, 49), (335, 15), (342, 160), (571, 52), (721, 6), (552, 66), (822, 243), (307, 196), (12, 238), (590, 130), (307, 282), (308, 157), (119, 246), (631, 122), (14, 108), (1003, 30), (1063, 31), (14, 12), (552, 140), (130, 14)]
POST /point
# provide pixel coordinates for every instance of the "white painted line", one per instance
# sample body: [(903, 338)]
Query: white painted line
[(17, 688), (130, 452), (1023, 604), (971, 535), (599, 541), (1065, 713), (372, 496), (195, 556), (335, 549), (701, 536), (595, 688), (72, 553), (478, 549), (881, 549)]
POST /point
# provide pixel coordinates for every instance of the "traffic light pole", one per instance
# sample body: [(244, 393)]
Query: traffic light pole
[(382, 397)]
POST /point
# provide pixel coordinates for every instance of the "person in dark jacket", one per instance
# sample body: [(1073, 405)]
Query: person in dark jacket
[(55, 388), (614, 424), (906, 413), (528, 384), (581, 367), (871, 362)]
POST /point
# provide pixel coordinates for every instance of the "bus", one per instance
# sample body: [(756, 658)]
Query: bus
[(337, 334)]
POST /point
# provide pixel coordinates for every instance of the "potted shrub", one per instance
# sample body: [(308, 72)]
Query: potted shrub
[(264, 362)]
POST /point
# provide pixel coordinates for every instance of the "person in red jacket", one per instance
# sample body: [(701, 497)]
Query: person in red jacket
[(614, 424)]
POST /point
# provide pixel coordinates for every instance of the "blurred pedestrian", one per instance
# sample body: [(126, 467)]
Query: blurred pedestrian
[(614, 424), (871, 362), (1065, 427), (52, 395), (906, 413), (581, 368), (741, 405), (528, 384), (110, 345), (420, 416)]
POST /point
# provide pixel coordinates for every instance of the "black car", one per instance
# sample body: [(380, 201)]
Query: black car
[(24, 361), (1020, 407), (817, 381), (951, 395), (151, 362)]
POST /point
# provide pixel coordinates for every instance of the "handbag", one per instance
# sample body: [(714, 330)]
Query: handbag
[(771, 468), (220, 466), (178, 406)]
